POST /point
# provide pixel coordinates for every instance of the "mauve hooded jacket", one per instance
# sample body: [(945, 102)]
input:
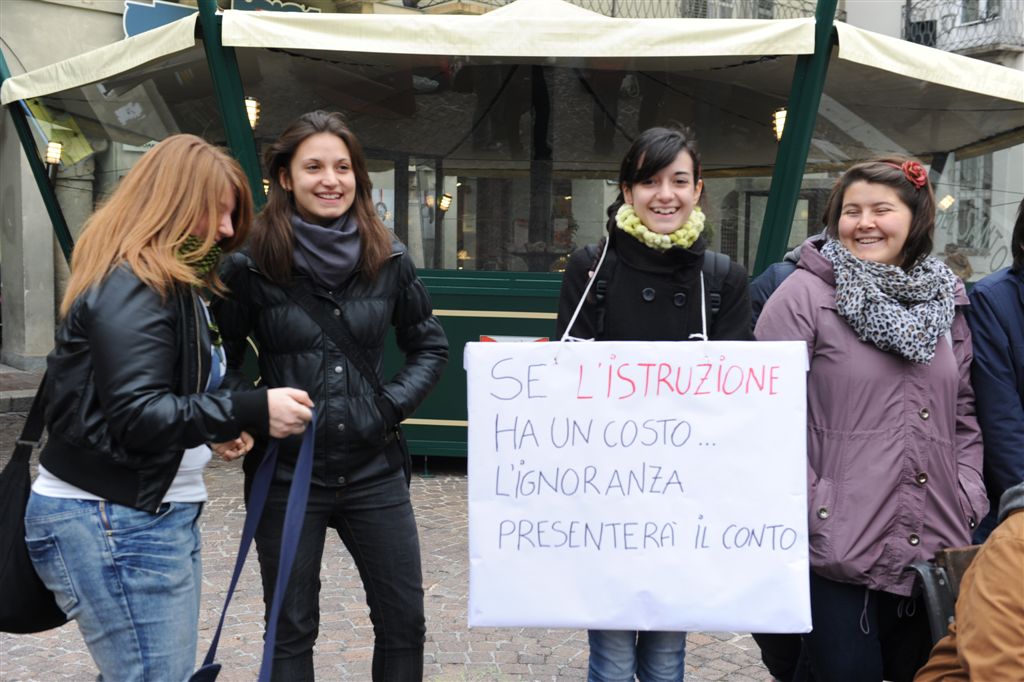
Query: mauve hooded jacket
[(893, 447)]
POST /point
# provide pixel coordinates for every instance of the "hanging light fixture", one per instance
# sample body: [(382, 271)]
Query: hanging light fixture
[(445, 202), (946, 202), (252, 111), (778, 122), (54, 150)]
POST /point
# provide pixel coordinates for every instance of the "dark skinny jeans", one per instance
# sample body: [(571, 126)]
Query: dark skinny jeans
[(375, 520)]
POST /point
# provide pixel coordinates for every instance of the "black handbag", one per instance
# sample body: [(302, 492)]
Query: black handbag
[(26, 605), (397, 449)]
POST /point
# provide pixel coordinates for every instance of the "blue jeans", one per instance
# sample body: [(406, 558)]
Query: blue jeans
[(619, 655), (130, 579), (375, 520)]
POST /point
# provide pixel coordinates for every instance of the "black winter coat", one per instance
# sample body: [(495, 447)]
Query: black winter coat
[(653, 295), (353, 427), (125, 392)]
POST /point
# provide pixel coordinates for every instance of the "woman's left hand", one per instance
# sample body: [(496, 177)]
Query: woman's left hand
[(233, 449)]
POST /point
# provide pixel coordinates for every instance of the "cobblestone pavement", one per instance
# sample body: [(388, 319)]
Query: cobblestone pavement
[(453, 651)]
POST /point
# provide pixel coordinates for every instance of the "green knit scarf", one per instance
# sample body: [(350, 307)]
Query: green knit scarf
[(629, 222)]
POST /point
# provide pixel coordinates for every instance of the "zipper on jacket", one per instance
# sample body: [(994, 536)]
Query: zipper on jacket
[(199, 343)]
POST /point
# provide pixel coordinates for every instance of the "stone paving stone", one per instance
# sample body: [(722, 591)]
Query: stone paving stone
[(453, 651)]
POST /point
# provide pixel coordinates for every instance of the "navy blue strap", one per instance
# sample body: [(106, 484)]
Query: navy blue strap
[(298, 495), (294, 516)]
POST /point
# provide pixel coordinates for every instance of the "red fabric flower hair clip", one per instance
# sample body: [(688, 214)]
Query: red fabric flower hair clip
[(914, 172)]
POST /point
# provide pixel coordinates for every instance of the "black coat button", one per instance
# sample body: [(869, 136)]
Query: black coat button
[(679, 299), (647, 294)]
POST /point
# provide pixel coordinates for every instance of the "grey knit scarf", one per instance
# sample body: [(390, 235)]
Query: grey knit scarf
[(327, 254), (902, 312)]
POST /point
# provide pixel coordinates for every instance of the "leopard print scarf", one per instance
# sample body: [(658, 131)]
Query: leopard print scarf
[(902, 312)]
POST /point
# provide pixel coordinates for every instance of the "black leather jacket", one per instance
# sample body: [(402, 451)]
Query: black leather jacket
[(125, 392), (353, 428)]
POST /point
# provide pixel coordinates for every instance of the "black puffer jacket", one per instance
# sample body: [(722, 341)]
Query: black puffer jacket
[(353, 426), (653, 296), (124, 389)]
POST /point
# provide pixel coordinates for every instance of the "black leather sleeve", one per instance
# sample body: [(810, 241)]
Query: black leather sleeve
[(421, 339), (234, 319), (135, 348)]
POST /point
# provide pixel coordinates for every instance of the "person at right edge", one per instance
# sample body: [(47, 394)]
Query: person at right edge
[(893, 445), (652, 275), (986, 640), (996, 317)]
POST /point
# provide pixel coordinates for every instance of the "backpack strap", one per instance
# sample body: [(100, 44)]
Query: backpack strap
[(716, 268), (601, 279)]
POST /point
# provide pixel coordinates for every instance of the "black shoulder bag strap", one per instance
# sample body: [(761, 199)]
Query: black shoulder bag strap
[(335, 329)]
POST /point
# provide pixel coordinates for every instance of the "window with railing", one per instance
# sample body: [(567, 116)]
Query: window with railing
[(978, 10), (662, 9), (974, 180), (967, 26)]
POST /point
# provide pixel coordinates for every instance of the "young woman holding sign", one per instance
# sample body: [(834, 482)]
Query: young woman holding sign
[(654, 280), (320, 256), (893, 445)]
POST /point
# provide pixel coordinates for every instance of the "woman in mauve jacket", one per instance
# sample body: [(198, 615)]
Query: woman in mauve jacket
[(112, 524), (320, 234), (893, 445)]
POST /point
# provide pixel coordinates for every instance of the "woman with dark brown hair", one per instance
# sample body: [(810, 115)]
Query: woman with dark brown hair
[(320, 255), (893, 446)]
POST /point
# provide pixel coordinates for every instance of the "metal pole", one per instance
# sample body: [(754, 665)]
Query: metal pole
[(802, 109), (39, 172), (227, 83)]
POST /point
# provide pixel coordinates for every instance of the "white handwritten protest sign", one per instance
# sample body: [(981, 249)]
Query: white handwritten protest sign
[(649, 486)]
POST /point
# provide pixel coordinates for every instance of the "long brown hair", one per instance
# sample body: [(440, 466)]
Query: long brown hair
[(272, 243), (174, 187), (921, 202)]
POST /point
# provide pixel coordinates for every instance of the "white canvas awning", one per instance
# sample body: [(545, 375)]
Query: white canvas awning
[(881, 94), (104, 62), (526, 29), (909, 61), (884, 94)]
